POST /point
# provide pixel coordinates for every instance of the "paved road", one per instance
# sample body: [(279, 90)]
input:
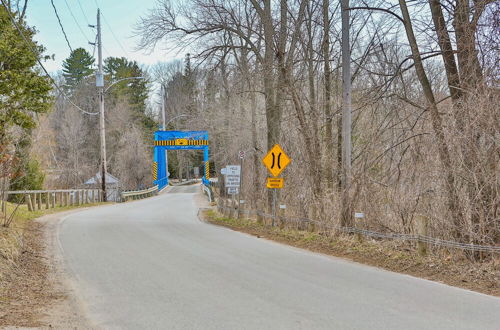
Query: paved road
[(152, 264)]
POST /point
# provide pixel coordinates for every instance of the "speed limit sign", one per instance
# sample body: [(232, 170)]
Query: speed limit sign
[(241, 154)]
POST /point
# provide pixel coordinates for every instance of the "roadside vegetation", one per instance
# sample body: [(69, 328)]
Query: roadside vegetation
[(425, 106)]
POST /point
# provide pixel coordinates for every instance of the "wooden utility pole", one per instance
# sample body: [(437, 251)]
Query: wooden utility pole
[(100, 86), (163, 118), (346, 115)]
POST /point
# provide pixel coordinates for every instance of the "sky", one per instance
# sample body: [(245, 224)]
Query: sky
[(118, 20)]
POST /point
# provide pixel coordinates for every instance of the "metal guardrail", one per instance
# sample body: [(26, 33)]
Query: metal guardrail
[(35, 199), (208, 191), (395, 236), (139, 194)]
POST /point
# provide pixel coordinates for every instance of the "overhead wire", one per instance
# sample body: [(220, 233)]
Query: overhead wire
[(83, 12), (76, 21), (59, 89), (60, 24), (114, 35)]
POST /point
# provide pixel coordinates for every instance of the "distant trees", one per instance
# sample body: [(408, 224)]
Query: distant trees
[(73, 156), (78, 66)]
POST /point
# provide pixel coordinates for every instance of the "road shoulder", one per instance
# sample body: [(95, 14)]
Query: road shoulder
[(40, 293)]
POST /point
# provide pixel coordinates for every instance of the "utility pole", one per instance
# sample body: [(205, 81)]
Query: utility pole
[(346, 115), (100, 87), (163, 127)]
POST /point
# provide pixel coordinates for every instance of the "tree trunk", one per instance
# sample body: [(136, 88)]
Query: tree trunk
[(443, 149)]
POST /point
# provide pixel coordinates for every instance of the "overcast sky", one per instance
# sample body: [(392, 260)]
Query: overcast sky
[(120, 16)]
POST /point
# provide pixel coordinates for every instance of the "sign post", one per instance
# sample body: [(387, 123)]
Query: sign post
[(232, 174), (275, 161), (241, 154)]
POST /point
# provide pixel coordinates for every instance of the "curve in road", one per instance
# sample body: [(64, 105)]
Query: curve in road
[(151, 264)]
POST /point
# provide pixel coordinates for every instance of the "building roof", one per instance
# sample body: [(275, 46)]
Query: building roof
[(110, 179)]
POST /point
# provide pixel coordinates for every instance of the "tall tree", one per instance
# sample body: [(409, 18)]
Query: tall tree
[(24, 91), (77, 67), (134, 90)]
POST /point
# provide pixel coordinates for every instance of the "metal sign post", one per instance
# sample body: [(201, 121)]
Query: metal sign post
[(241, 155), (275, 161)]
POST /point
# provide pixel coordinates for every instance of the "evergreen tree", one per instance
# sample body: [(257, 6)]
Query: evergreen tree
[(25, 93), (77, 67), (135, 90)]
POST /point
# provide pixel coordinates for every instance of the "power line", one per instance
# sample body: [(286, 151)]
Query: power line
[(60, 24), (76, 21), (40, 62), (83, 12), (114, 35)]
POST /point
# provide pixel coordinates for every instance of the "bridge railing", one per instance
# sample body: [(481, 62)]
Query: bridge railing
[(38, 199), (139, 194)]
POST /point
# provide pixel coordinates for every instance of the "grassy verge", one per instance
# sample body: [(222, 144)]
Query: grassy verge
[(441, 266), (11, 237)]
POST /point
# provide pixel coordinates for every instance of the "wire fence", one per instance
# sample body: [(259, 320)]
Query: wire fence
[(369, 233)]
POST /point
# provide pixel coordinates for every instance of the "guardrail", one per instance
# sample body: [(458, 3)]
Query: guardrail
[(139, 194), (37, 199), (208, 190), (229, 208)]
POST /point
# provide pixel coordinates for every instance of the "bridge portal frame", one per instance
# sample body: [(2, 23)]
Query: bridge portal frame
[(177, 140)]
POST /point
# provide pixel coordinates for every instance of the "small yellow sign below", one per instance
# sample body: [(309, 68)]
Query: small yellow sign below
[(276, 160), (181, 142), (275, 183)]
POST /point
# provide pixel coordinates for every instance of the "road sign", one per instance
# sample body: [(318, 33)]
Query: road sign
[(241, 154), (232, 181), (181, 142), (276, 160), (232, 190), (275, 182), (233, 170), (223, 171)]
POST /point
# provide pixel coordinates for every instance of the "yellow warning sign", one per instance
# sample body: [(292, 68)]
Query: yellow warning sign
[(181, 142), (275, 183), (276, 160)]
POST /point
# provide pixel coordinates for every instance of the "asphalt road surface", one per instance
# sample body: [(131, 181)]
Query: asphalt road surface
[(151, 264)]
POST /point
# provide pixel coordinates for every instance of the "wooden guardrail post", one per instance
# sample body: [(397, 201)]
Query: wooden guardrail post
[(241, 209), (281, 215), (28, 202), (4, 202), (422, 224), (260, 219), (220, 205), (39, 200), (47, 201)]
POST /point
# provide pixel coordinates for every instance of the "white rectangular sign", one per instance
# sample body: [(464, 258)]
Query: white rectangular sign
[(232, 190), (232, 181), (233, 170)]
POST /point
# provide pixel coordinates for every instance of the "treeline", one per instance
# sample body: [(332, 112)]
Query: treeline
[(68, 138), (424, 103), (49, 134)]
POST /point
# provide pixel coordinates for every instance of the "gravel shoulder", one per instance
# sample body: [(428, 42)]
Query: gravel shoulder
[(39, 292)]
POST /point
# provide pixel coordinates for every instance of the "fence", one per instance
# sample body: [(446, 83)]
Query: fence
[(38, 199), (422, 240), (139, 194)]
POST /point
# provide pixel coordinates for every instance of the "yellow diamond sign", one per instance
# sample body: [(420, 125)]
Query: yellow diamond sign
[(276, 160)]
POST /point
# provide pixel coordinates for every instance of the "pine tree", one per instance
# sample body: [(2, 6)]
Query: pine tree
[(25, 93), (77, 67)]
